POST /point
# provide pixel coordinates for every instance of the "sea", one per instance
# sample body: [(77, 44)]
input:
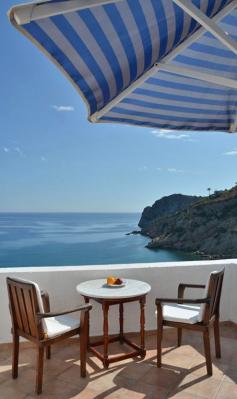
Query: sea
[(65, 239)]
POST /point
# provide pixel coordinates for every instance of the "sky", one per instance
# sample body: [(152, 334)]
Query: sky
[(52, 159)]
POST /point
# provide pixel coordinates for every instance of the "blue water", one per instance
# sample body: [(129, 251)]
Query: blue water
[(48, 239)]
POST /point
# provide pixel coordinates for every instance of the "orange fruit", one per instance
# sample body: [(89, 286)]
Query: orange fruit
[(111, 280)]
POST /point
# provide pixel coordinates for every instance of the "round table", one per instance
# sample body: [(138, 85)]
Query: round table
[(134, 290)]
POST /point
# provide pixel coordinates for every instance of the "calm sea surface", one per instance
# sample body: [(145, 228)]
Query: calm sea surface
[(45, 239)]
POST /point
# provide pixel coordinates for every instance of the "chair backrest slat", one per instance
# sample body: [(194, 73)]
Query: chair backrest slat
[(30, 312), (24, 306), (214, 293), (25, 323), (217, 294), (16, 307)]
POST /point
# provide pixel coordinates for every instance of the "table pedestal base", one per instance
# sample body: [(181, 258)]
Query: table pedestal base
[(138, 350)]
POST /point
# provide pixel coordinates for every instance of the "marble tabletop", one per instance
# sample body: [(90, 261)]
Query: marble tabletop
[(99, 289)]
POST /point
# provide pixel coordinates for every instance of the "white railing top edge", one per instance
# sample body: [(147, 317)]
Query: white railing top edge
[(196, 263)]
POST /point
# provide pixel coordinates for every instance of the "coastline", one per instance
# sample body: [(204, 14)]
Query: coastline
[(154, 246), (76, 239)]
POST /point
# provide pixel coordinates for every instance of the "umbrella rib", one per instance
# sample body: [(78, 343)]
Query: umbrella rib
[(197, 74), (26, 13), (208, 23), (170, 56)]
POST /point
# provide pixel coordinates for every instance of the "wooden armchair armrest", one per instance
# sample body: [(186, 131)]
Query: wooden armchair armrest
[(182, 300), (83, 308), (182, 287), (186, 285)]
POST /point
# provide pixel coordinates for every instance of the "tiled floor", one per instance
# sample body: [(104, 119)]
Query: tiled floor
[(183, 375)]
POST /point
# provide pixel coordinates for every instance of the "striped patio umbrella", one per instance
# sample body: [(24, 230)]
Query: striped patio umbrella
[(167, 64)]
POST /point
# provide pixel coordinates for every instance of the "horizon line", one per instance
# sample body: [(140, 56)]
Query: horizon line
[(84, 212)]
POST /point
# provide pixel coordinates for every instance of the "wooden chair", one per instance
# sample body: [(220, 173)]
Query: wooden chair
[(193, 314), (32, 319)]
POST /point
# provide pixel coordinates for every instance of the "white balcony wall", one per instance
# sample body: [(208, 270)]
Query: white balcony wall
[(60, 282)]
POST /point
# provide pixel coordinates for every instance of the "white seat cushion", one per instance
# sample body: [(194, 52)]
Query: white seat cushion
[(59, 325), (185, 313), (181, 313)]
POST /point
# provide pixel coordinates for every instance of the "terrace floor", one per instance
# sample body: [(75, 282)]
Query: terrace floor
[(183, 375)]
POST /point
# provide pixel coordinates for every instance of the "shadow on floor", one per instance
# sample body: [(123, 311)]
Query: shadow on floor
[(183, 373)]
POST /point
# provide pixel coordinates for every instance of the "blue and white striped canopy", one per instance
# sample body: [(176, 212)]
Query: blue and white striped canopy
[(126, 59)]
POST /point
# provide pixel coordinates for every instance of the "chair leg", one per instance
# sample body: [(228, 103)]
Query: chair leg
[(48, 352), (83, 350), (84, 331), (207, 349), (39, 370), (217, 338), (179, 333), (159, 341), (15, 355)]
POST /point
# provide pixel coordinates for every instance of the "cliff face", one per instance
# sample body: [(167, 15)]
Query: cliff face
[(208, 226), (166, 206)]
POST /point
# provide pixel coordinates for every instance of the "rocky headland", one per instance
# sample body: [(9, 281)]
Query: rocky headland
[(166, 206), (201, 225)]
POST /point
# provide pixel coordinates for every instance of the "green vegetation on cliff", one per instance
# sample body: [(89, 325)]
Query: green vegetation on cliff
[(205, 225)]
